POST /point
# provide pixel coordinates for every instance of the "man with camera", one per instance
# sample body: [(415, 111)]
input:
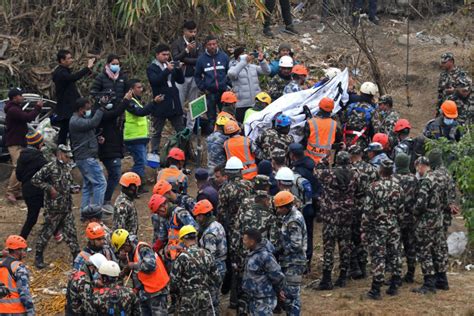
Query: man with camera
[(186, 50)]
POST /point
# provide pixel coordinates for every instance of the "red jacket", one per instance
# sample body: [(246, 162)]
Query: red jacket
[(16, 123)]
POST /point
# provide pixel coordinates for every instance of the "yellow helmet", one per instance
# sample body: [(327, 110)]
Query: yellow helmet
[(264, 97), (119, 237), (222, 120), (186, 230)]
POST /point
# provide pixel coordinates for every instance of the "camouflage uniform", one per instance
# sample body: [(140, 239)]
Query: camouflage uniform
[(58, 211), (193, 275), (269, 140), (449, 79), (185, 201), (276, 86), (231, 195), (215, 150), (291, 252), (357, 119), (384, 122), (465, 104), (263, 279), (115, 300), (79, 291), (436, 129), (22, 277), (384, 203), (291, 87), (125, 214), (84, 255)]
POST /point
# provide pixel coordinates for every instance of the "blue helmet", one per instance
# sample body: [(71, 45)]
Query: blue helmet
[(282, 121)]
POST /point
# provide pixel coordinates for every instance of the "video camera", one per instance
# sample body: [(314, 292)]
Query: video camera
[(109, 94)]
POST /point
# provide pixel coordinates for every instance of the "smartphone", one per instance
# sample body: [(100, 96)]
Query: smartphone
[(254, 54)]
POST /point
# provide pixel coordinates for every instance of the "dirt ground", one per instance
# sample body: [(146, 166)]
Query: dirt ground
[(328, 45)]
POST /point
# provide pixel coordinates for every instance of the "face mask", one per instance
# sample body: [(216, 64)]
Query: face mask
[(114, 68), (88, 113), (418, 176), (448, 121), (243, 57), (109, 106)]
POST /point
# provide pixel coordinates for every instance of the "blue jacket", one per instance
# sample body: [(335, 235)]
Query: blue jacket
[(211, 72), (171, 105)]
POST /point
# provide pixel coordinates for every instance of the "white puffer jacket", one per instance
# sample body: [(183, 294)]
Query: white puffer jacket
[(245, 82)]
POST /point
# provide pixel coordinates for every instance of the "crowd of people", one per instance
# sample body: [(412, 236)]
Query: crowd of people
[(248, 231)]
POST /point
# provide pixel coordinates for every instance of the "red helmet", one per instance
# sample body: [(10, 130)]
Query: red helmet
[(202, 207), (14, 242), (382, 139), (401, 124), (94, 231), (155, 202), (177, 154), (162, 187)]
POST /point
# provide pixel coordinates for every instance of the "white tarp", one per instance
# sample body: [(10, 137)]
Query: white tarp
[(292, 105)]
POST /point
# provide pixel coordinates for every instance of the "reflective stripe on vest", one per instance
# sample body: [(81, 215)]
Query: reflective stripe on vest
[(321, 137), (136, 127), (10, 304), (154, 281), (239, 147)]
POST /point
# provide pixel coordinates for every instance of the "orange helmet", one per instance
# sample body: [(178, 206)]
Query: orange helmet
[(299, 70), (231, 127), (401, 124), (162, 187), (326, 104), (283, 198), (14, 242), (229, 97), (449, 109), (94, 230), (382, 139), (177, 154), (202, 207), (129, 178), (155, 202)]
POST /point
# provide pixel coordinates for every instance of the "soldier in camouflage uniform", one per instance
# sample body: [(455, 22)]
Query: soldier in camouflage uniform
[(409, 185), (449, 77), (381, 231), (465, 101), (337, 204), (273, 138), (367, 174), (212, 237), (96, 243), (215, 145), (162, 187), (125, 212), (291, 249), (278, 83), (56, 181), (263, 278), (193, 276), (385, 117)]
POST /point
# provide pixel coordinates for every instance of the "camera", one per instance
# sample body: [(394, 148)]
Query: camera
[(254, 54), (176, 63), (110, 94)]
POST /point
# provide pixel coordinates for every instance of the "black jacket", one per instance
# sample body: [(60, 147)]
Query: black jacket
[(305, 167), (103, 83), (178, 51), (111, 128), (30, 161), (66, 90), (171, 105)]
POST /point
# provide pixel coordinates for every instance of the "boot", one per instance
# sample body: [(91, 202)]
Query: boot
[(441, 281), (395, 282), (326, 283), (428, 285), (39, 262), (355, 272), (342, 279), (410, 275), (290, 29), (374, 292), (363, 269)]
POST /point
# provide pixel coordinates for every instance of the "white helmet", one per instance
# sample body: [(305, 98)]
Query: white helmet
[(110, 268), (234, 163), (369, 88), (285, 174), (332, 72), (97, 259), (286, 62)]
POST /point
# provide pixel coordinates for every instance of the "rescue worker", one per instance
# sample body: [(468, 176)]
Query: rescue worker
[(240, 146), (93, 214), (149, 275), (212, 237), (162, 187), (321, 132), (193, 276), (174, 172), (383, 140), (229, 101), (262, 100), (125, 212), (278, 83), (464, 99), (444, 125), (113, 298), (215, 145), (56, 181), (291, 249), (96, 243), (16, 279), (273, 138), (404, 143), (205, 190), (286, 182), (263, 279), (299, 73), (385, 117), (375, 154), (449, 77)]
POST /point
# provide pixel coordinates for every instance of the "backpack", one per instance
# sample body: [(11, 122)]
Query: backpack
[(359, 115), (181, 140), (303, 190)]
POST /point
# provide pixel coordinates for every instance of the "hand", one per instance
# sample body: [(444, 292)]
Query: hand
[(261, 56), (39, 104), (159, 98), (281, 296), (191, 46), (363, 238), (170, 66), (128, 95), (250, 58), (101, 139), (91, 62), (455, 210), (132, 265), (53, 193)]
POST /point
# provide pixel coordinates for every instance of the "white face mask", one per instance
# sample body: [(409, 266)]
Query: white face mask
[(88, 113), (243, 57), (109, 106), (448, 121)]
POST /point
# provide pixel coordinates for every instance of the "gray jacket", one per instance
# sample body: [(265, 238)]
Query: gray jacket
[(83, 136), (245, 82)]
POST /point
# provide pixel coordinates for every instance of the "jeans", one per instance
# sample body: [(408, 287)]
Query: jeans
[(214, 106), (94, 184), (358, 4), (188, 91), (138, 152), (114, 171), (159, 124), (285, 11)]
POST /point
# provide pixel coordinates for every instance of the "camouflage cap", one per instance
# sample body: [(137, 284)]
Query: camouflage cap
[(386, 99), (261, 193), (261, 181), (355, 150), (447, 57), (386, 164), (374, 146), (464, 82), (422, 161), (278, 153), (402, 161), (65, 149), (435, 156), (343, 158)]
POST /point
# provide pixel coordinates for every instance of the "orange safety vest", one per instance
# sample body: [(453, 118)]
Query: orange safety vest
[(321, 137), (173, 246), (239, 147), (173, 176), (11, 303), (154, 281)]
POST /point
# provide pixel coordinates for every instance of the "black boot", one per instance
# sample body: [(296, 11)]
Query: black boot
[(395, 282), (410, 275), (374, 292), (428, 285), (355, 272), (342, 279), (39, 262), (441, 281), (326, 283), (363, 269)]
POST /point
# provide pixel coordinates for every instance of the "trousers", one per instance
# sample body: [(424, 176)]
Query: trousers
[(285, 11), (159, 124), (53, 222)]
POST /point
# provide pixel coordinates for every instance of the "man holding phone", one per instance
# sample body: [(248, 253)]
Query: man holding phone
[(186, 50)]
